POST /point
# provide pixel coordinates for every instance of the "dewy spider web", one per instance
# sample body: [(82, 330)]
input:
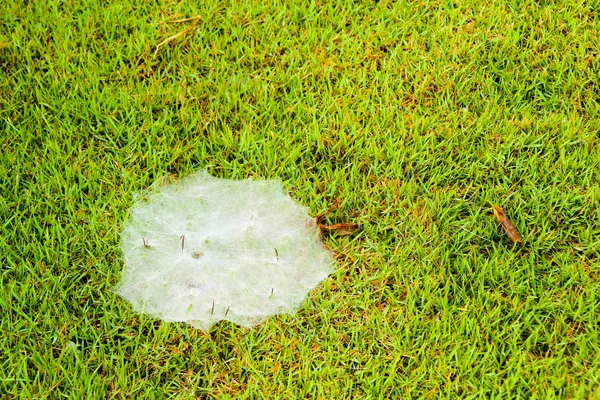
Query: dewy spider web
[(205, 249)]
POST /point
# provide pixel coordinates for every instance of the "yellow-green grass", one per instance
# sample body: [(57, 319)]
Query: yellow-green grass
[(415, 116)]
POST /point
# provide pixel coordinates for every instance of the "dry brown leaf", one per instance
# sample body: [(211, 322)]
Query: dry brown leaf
[(342, 229), (509, 228)]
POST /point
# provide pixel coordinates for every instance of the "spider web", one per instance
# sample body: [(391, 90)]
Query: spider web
[(205, 249)]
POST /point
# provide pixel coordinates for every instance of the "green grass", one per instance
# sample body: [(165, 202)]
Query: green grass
[(416, 116)]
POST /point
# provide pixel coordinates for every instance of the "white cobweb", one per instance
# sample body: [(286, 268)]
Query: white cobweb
[(205, 249)]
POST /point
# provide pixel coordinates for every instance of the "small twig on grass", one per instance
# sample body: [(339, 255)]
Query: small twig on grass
[(197, 17), (183, 32)]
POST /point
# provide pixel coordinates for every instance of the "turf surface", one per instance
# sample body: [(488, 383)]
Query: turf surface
[(414, 117)]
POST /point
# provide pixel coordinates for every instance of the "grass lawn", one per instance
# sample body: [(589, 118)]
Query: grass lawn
[(416, 117)]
